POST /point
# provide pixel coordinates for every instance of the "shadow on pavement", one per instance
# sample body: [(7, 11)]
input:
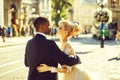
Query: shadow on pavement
[(86, 39), (12, 45), (83, 52), (114, 58), (90, 40)]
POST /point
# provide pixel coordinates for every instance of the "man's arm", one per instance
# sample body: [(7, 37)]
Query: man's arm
[(63, 58), (44, 68), (25, 61), (26, 56)]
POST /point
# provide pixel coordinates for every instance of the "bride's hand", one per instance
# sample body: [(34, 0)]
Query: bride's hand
[(43, 68)]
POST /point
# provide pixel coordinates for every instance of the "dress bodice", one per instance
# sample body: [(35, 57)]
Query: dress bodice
[(67, 48)]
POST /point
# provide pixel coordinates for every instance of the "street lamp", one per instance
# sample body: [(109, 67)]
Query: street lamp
[(104, 1), (104, 17), (102, 14), (102, 26)]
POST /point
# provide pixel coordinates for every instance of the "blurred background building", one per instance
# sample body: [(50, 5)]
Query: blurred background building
[(83, 11), (18, 13), (1, 12), (114, 6)]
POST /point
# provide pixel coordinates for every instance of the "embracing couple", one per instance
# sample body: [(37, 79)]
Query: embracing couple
[(43, 56)]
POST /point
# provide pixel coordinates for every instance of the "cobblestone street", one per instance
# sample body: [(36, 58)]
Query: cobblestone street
[(102, 62), (96, 60)]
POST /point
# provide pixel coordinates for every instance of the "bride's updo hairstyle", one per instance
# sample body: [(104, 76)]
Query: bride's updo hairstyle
[(73, 29)]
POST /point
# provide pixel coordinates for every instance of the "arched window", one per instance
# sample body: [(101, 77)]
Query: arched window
[(114, 3), (104, 1)]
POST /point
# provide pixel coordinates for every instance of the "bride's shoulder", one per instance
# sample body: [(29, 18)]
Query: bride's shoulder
[(69, 49), (68, 46)]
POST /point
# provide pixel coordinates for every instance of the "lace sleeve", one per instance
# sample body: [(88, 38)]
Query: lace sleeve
[(69, 50)]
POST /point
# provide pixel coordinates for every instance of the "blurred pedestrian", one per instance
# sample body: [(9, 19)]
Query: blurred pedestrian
[(24, 30), (40, 50), (3, 32), (54, 30), (31, 31), (0, 30), (9, 31)]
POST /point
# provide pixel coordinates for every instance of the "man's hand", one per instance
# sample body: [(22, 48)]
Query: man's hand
[(65, 69), (43, 68)]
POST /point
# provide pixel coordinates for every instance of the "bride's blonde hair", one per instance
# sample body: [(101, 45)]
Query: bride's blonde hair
[(72, 28)]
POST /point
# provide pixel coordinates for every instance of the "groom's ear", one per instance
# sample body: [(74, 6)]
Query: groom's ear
[(41, 27)]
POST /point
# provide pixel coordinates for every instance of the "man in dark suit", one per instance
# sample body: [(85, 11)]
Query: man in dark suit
[(40, 50)]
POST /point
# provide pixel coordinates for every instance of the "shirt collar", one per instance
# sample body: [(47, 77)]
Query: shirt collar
[(41, 34)]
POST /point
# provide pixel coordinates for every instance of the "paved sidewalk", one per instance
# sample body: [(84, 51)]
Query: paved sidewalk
[(14, 41), (102, 62), (18, 40)]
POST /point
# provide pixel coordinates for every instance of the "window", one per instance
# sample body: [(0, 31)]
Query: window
[(114, 3), (105, 1), (89, 1)]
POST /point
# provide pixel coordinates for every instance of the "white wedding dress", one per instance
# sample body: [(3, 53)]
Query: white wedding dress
[(76, 72)]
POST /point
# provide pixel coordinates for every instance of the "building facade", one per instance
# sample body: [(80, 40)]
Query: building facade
[(11, 10), (25, 9), (1, 13), (83, 11), (45, 8), (18, 12), (114, 6)]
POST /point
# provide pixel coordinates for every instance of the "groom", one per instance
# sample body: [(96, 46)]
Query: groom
[(40, 50)]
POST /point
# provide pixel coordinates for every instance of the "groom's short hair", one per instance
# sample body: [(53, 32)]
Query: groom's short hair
[(40, 21)]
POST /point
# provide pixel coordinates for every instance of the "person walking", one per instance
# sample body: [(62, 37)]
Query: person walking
[(41, 50), (31, 31), (9, 31), (3, 32)]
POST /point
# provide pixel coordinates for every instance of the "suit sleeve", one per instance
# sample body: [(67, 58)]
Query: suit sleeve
[(26, 56), (63, 58), (25, 61)]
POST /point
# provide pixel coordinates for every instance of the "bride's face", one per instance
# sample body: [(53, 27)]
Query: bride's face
[(61, 32)]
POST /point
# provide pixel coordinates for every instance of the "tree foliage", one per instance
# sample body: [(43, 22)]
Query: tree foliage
[(60, 9)]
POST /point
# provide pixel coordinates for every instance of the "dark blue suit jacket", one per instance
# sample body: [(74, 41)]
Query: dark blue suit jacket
[(40, 50)]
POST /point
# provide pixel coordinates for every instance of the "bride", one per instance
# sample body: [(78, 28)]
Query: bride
[(66, 31)]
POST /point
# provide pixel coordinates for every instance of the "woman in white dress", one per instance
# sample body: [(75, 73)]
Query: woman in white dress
[(65, 31)]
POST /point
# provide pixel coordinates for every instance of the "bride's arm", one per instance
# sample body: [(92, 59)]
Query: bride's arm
[(44, 68)]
